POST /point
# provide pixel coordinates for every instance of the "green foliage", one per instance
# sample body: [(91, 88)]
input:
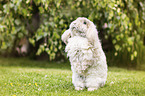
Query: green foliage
[(12, 26), (124, 19)]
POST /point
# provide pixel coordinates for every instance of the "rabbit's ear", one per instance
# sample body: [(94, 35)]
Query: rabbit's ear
[(92, 34), (66, 35)]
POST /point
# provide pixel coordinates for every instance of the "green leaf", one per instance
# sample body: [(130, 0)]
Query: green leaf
[(39, 52), (6, 8), (132, 57), (110, 15), (130, 40), (56, 35), (32, 41), (117, 47), (61, 22), (60, 46), (24, 11), (4, 46), (42, 47), (135, 53), (17, 22), (20, 35), (41, 10), (114, 41), (129, 49), (27, 1), (55, 49), (38, 37)]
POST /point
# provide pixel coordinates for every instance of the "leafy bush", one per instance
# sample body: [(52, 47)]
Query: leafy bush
[(122, 21)]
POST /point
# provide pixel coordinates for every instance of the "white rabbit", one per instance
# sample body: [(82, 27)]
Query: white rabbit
[(88, 61)]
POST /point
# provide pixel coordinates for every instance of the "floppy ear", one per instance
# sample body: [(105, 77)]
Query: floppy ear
[(66, 35), (92, 35)]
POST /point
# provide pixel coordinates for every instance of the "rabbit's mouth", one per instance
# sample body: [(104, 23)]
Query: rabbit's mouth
[(82, 33)]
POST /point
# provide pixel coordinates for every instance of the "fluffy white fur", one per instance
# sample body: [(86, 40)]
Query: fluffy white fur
[(88, 61)]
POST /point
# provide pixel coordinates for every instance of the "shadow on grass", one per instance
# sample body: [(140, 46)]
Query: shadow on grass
[(25, 62)]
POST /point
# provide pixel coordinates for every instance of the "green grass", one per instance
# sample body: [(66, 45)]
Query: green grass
[(23, 77)]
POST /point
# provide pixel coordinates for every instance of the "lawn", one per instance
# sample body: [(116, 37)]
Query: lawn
[(24, 77)]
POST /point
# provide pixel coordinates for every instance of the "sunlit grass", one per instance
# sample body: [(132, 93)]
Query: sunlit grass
[(40, 78)]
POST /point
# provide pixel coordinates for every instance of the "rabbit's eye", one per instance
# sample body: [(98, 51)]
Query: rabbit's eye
[(85, 22)]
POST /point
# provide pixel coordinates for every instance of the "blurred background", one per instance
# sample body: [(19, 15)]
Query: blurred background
[(33, 28)]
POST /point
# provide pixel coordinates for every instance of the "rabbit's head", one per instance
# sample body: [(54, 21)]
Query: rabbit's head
[(84, 28)]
